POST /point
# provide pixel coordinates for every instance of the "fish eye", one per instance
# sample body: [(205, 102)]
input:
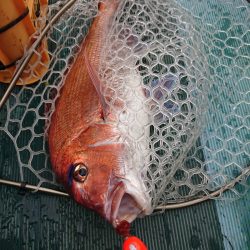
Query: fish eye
[(80, 172)]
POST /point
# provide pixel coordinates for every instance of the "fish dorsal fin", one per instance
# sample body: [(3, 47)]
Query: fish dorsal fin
[(97, 84)]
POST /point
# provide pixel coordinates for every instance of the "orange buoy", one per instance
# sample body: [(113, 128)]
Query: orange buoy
[(133, 243), (19, 20)]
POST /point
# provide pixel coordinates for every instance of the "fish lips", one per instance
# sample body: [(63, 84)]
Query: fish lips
[(122, 205)]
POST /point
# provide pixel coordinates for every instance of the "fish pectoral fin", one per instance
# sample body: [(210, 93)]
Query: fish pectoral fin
[(97, 84)]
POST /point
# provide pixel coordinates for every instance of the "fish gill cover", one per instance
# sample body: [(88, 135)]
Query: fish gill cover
[(176, 75)]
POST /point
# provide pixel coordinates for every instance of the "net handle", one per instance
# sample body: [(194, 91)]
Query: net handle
[(205, 198), (159, 208)]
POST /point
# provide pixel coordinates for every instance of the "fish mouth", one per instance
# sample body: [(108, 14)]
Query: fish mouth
[(124, 205)]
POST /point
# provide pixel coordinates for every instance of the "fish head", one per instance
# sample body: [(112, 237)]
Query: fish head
[(94, 173)]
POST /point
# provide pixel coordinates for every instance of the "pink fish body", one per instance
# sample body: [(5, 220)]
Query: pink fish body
[(87, 147)]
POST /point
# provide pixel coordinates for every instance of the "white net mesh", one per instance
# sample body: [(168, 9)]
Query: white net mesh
[(186, 63)]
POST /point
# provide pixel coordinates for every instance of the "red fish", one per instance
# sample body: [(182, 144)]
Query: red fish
[(87, 152)]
